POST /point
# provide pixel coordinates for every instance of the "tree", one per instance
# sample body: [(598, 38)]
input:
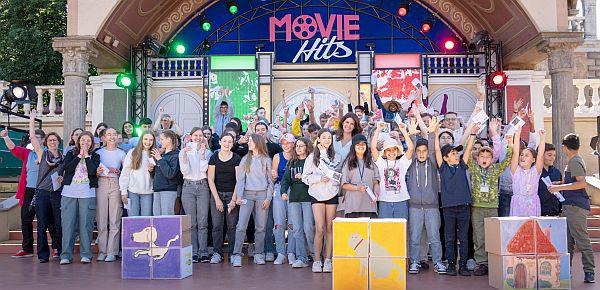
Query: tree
[(28, 27)]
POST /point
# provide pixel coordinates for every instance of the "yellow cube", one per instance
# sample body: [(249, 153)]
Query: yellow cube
[(351, 273), (388, 238), (387, 273), (351, 237)]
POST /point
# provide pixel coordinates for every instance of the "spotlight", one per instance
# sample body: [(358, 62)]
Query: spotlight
[(20, 92), (403, 10), (124, 80), (497, 80), (259, 46), (180, 48), (205, 24), (427, 25), (370, 46), (481, 38), (232, 7), (206, 46), (449, 44), (153, 45)]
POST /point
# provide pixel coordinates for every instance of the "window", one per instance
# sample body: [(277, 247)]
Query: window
[(546, 268)]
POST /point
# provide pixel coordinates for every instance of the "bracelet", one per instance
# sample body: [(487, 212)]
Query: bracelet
[(473, 134)]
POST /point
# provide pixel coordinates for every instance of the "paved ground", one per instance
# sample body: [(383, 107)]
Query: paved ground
[(29, 274)]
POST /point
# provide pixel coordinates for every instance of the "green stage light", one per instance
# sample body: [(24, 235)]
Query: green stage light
[(205, 24), (232, 7), (139, 131), (180, 48), (124, 80)]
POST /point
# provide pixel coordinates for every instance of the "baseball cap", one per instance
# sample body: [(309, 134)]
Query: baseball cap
[(448, 148)]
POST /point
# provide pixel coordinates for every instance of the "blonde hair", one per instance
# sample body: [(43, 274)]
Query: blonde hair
[(261, 147)]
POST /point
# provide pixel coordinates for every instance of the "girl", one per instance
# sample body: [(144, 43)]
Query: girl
[(166, 176), (99, 128), (128, 131), (78, 202), (73, 139), (211, 139), (135, 181), (253, 192), (195, 196), (108, 197), (279, 205), (525, 172), (222, 171), (324, 195), (299, 208), (359, 178), (47, 196), (393, 197), (165, 122)]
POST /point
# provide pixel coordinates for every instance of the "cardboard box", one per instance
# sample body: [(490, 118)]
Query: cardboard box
[(551, 235), (351, 237), (388, 238), (176, 264), (387, 273), (554, 271), (512, 271), (351, 273), (509, 235)]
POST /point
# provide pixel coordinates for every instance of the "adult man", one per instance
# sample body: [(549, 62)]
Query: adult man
[(225, 112)]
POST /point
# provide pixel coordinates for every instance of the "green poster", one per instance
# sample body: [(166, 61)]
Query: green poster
[(243, 87)]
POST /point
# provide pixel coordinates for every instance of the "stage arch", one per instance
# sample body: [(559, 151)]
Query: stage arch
[(460, 100), (183, 105)]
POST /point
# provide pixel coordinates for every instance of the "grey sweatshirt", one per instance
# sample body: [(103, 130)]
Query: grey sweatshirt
[(257, 178)]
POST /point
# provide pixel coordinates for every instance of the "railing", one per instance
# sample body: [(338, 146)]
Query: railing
[(180, 68), (586, 93), (455, 65), (51, 99), (576, 23)]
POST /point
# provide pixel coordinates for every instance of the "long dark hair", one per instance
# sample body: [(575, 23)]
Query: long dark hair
[(71, 142), (238, 122), (352, 159), (339, 132), (133, 134), (309, 149), (317, 151), (101, 124)]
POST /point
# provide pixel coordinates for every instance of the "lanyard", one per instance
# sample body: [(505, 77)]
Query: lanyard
[(361, 173), (417, 173), (484, 180)]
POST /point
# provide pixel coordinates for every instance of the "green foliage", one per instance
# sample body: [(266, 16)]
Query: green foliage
[(28, 27)]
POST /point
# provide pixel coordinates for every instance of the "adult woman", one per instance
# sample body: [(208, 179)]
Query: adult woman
[(348, 128), (135, 181), (222, 171), (280, 161), (195, 195), (109, 208), (47, 196), (166, 122), (320, 164), (73, 139), (78, 203), (253, 192), (166, 175)]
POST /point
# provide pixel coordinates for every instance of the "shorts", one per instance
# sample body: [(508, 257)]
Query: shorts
[(333, 200)]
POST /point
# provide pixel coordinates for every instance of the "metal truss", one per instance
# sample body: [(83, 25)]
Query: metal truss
[(138, 93), (494, 98)]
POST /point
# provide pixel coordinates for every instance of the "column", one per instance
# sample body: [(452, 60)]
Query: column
[(76, 52), (589, 24)]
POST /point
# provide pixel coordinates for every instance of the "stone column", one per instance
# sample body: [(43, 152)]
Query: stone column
[(589, 24), (76, 52), (560, 51)]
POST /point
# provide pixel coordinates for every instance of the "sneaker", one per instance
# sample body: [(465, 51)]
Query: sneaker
[(250, 250), (22, 254), (101, 257), (86, 260), (317, 267), (414, 268), (204, 259), (310, 259), (55, 254), (424, 265), (291, 258), (110, 258), (327, 266), (439, 268), (299, 264), (65, 261), (589, 277), (481, 270), (236, 260), (451, 270), (195, 259), (280, 259), (270, 257), (259, 259), (471, 264), (216, 258), (464, 271), (42, 261)]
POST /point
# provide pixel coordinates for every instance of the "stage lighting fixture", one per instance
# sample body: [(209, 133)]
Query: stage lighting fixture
[(497, 80), (124, 80), (481, 38), (232, 7), (403, 10), (259, 46), (449, 44), (370, 46), (206, 46), (180, 48), (155, 46), (427, 25), (19, 92), (205, 24)]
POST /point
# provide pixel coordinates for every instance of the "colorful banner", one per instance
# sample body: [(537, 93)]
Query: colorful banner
[(243, 87), (395, 83)]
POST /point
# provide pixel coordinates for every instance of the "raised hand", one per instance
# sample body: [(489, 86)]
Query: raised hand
[(434, 125), (33, 114), (475, 128), (3, 133), (542, 135), (412, 127), (493, 126)]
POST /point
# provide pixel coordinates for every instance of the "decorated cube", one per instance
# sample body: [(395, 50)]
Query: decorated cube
[(553, 271), (509, 235), (551, 235), (512, 271), (388, 238), (387, 273), (175, 264), (351, 237), (351, 273)]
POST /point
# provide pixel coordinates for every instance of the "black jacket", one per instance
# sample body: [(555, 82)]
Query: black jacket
[(166, 173), (70, 163)]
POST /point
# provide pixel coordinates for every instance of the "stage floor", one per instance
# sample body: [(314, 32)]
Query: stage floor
[(29, 274)]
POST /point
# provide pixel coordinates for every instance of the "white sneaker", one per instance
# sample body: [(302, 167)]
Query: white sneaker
[(216, 258), (327, 266), (236, 260), (291, 258), (299, 264), (85, 260), (471, 264), (439, 268), (280, 259), (259, 259), (270, 257), (317, 267), (101, 257), (250, 250), (414, 268), (110, 258), (65, 261)]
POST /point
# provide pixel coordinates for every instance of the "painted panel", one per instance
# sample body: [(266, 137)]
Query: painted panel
[(388, 238), (351, 237), (350, 273), (387, 273), (509, 235)]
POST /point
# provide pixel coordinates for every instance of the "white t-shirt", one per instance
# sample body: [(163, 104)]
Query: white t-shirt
[(111, 158), (393, 179)]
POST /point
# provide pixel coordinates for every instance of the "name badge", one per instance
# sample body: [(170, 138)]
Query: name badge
[(484, 188)]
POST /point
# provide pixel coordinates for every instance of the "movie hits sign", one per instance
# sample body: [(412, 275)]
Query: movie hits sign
[(327, 44)]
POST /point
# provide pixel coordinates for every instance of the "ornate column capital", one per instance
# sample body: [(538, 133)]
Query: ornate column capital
[(560, 48), (76, 52)]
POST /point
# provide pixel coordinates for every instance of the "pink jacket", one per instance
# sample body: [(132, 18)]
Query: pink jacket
[(23, 154)]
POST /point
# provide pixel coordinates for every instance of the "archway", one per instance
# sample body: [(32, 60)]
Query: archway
[(183, 105), (460, 100), (324, 99)]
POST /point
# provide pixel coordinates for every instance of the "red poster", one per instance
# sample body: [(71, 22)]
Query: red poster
[(514, 93), (395, 83)]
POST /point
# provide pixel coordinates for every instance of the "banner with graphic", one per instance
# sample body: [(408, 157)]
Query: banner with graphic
[(395, 83), (243, 91)]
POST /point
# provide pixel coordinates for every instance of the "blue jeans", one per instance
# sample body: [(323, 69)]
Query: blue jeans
[(393, 209), (504, 204), (269, 242), (303, 229), (141, 204), (164, 203), (456, 225), (195, 199), (73, 211), (253, 206), (280, 208), (430, 218), (47, 209)]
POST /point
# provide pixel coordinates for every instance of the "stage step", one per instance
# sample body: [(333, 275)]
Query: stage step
[(595, 210), (594, 232), (18, 235), (13, 246)]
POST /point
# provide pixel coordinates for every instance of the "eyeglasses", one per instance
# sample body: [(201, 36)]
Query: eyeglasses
[(300, 145)]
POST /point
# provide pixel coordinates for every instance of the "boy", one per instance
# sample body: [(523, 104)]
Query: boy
[(576, 206), (456, 198), (548, 201)]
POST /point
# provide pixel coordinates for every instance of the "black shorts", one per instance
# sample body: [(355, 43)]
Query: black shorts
[(333, 200)]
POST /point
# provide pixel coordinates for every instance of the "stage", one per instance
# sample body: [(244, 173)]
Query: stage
[(29, 274)]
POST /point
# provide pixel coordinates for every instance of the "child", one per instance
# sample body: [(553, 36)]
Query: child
[(166, 175), (525, 172), (280, 206), (549, 203), (135, 180), (576, 206)]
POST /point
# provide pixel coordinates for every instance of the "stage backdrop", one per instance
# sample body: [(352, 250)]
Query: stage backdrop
[(244, 92), (395, 83)]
